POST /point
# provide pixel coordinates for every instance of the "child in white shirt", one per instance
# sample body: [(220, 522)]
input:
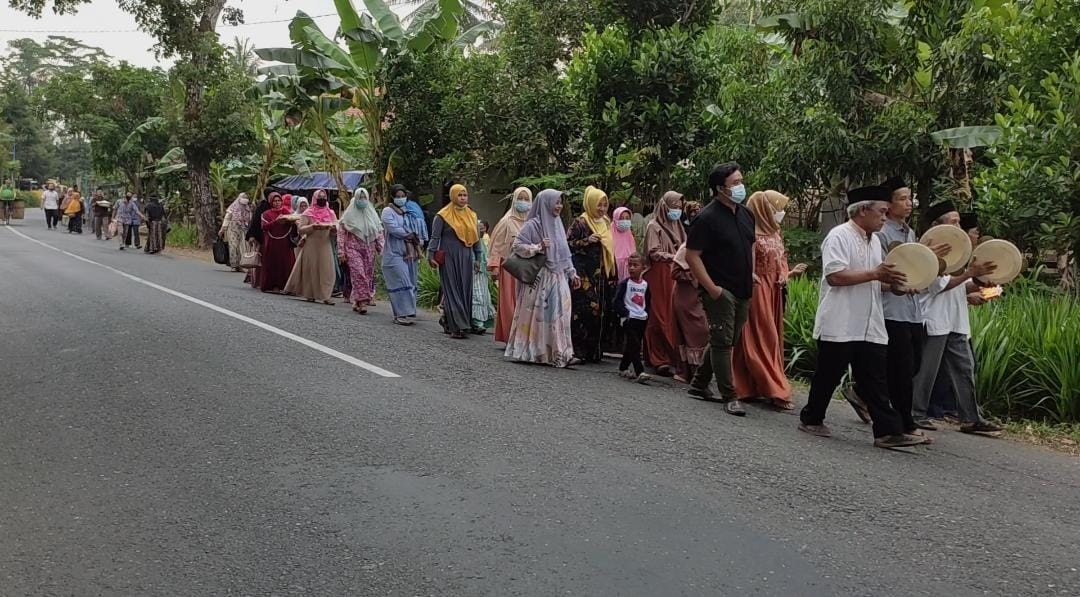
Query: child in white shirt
[(632, 306)]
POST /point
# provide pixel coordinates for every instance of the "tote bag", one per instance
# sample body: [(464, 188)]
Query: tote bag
[(250, 258)]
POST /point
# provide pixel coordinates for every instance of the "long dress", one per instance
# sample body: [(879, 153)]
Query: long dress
[(278, 257), (235, 237), (594, 325), (313, 275), (399, 263), (504, 313), (360, 256), (691, 325), (660, 345), (540, 329), (455, 274), (483, 316), (758, 358)]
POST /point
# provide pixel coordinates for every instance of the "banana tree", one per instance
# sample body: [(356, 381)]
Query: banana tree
[(355, 74)]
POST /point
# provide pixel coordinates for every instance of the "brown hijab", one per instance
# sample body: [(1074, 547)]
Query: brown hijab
[(764, 205), (662, 234)]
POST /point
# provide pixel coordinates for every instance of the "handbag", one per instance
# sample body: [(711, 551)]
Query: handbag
[(524, 270), (251, 258), (439, 257), (113, 228), (221, 251)]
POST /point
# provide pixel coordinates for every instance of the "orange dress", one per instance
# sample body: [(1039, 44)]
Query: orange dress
[(758, 358)]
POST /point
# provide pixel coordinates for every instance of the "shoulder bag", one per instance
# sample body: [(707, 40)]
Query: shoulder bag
[(250, 258), (525, 269)]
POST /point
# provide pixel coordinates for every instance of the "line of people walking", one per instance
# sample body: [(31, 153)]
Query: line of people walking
[(702, 299), (121, 219)]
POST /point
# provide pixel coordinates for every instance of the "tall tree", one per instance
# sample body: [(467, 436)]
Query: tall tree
[(185, 30)]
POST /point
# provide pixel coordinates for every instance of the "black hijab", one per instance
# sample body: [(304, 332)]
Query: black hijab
[(255, 231)]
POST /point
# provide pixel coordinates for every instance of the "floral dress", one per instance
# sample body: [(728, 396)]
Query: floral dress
[(360, 256), (594, 327)]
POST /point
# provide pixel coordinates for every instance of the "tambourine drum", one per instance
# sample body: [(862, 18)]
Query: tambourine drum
[(1004, 255), (959, 245), (917, 262)]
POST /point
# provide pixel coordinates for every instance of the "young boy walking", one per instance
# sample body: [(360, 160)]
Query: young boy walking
[(632, 306)]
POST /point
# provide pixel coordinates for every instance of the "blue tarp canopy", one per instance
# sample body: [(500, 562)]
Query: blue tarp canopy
[(320, 180)]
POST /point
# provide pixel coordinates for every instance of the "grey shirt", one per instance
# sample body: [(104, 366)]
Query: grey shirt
[(898, 308)]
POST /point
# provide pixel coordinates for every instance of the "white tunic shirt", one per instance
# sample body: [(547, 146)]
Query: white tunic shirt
[(51, 200), (850, 313), (945, 311)]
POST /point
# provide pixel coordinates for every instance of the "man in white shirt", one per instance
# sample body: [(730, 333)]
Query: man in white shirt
[(948, 349), (51, 204), (850, 322)]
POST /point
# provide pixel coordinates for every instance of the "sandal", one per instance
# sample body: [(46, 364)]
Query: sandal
[(457, 336), (782, 404), (331, 303), (402, 321)]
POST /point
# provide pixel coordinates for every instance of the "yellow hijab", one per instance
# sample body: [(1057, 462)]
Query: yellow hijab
[(600, 225), (462, 220)]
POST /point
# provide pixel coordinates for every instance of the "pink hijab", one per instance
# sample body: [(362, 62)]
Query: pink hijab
[(625, 243), (320, 215)]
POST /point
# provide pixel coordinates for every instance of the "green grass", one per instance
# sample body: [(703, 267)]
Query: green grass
[(1027, 349), (183, 236)]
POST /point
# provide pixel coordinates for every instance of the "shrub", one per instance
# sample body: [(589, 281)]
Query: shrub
[(800, 348), (427, 295), (182, 235), (30, 198), (804, 246)]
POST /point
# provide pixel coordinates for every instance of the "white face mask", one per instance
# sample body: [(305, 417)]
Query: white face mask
[(779, 216)]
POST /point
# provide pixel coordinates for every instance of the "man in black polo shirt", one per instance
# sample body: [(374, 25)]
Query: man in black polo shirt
[(720, 253)]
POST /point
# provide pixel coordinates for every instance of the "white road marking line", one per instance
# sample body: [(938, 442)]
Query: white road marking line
[(264, 326)]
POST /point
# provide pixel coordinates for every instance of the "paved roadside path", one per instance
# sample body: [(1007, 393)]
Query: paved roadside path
[(167, 430)]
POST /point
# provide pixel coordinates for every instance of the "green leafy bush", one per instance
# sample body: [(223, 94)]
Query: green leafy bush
[(804, 246), (29, 198), (182, 235)]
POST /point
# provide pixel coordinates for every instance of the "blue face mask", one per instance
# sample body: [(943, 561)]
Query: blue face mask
[(674, 214), (623, 225), (522, 206), (738, 193), (400, 201), (362, 203)]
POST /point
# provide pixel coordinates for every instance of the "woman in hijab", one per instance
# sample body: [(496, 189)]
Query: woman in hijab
[(455, 250), (300, 204), (254, 241), (483, 314), (690, 209), (401, 257), (540, 330), (359, 240), (691, 326), (278, 257), (237, 221), (758, 358), (625, 243), (313, 275), (663, 237), (591, 241), (502, 242)]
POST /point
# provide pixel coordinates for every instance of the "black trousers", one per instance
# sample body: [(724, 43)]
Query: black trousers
[(906, 342), (130, 231), (633, 332), (52, 218), (868, 363), (75, 223)]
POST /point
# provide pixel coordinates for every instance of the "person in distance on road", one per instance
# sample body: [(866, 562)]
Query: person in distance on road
[(50, 201), (850, 322), (74, 211), (359, 239), (154, 214), (237, 220), (278, 257), (455, 250), (313, 273), (401, 257)]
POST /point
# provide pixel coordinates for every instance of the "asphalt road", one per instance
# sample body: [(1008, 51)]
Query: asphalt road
[(152, 445)]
